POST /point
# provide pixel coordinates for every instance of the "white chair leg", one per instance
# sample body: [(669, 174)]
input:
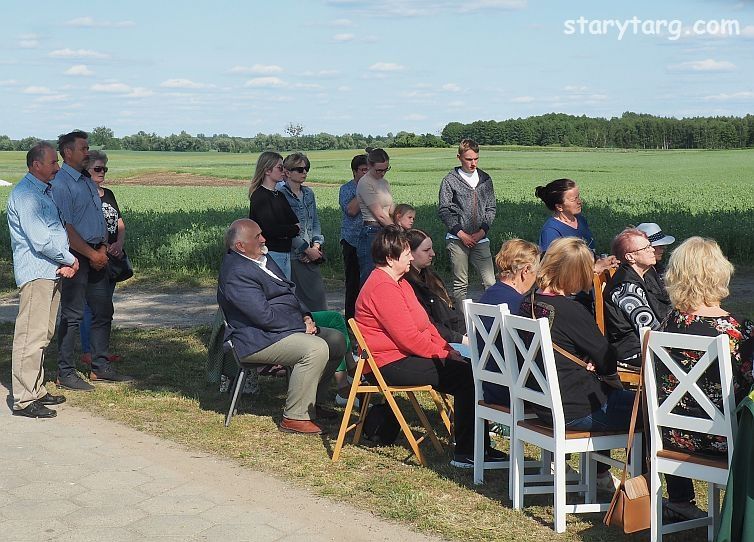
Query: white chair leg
[(590, 479), (559, 512), (655, 524), (713, 509), (478, 450), (518, 474)]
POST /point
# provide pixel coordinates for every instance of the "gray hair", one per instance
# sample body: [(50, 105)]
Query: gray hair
[(37, 152), (236, 231), (97, 155)]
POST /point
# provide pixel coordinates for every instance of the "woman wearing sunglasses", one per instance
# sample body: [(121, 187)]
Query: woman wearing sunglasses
[(306, 248), (116, 236), (376, 204)]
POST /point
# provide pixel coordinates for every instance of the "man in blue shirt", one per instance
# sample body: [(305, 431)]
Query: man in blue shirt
[(80, 206), (349, 231), (40, 257)]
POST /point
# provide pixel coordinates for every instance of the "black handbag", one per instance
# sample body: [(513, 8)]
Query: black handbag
[(120, 269)]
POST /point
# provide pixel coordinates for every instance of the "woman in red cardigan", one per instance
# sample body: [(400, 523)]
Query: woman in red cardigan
[(406, 346)]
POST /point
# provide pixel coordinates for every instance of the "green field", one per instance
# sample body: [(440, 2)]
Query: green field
[(175, 232)]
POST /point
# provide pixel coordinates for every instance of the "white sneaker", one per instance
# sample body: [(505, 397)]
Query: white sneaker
[(342, 401)]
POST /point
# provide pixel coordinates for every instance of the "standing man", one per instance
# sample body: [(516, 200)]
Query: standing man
[(467, 208), (80, 206), (349, 231), (40, 257)]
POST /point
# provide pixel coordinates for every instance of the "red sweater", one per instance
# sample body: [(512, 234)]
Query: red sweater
[(393, 322)]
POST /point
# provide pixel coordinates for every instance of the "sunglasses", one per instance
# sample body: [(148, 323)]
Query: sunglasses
[(300, 169), (100, 169)]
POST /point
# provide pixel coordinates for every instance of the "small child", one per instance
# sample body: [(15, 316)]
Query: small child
[(404, 215)]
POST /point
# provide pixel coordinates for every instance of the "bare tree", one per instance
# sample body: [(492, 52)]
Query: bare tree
[(294, 130)]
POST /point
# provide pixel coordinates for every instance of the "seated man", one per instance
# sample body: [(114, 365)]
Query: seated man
[(269, 325), (629, 304)]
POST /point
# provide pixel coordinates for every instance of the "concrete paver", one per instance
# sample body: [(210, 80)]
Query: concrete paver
[(81, 478)]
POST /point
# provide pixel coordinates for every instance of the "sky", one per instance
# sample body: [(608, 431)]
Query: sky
[(350, 66)]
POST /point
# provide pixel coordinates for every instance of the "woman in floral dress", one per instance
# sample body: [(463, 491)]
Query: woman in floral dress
[(697, 280)]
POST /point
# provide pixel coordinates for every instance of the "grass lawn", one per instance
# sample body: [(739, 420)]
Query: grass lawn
[(170, 399)]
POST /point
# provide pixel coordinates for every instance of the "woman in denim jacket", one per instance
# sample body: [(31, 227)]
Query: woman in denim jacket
[(306, 249)]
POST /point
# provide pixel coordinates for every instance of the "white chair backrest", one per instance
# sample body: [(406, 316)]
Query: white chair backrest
[(484, 325), (528, 382), (715, 353)]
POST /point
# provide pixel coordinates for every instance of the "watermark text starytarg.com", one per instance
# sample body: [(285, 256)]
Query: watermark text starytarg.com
[(674, 29)]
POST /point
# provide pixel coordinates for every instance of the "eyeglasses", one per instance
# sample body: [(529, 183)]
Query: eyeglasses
[(382, 170), (640, 249), (300, 169), (100, 169)]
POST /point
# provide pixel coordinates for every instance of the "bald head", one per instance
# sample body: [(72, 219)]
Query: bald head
[(245, 237)]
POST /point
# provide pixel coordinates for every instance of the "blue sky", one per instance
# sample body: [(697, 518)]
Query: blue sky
[(374, 67)]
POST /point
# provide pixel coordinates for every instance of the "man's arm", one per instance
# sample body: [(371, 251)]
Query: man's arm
[(36, 229), (246, 295), (97, 258), (632, 301)]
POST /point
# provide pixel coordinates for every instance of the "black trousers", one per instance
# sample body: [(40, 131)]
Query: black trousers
[(447, 376), (94, 287), (351, 270)]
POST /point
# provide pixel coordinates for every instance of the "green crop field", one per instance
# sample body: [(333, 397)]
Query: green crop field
[(176, 231)]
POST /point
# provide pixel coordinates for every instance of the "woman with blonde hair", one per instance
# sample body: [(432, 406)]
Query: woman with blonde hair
[(697, 279), (517, 262), (589, 402), (269, 208)]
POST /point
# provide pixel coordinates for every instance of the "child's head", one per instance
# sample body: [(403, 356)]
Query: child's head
[(404, 215)]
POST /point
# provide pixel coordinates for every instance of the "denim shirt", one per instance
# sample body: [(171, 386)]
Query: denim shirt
[(306, 211), (37, 235), (77, 197), (350, 228)]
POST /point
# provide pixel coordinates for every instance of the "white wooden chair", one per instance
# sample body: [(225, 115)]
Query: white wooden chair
[(484, 325), (721, 422), (528, 348)]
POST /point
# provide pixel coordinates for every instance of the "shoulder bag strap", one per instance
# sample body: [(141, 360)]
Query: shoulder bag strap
[(638, 400), (556, 347)]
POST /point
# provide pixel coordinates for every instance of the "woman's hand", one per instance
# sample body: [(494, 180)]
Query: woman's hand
[(603, 264), (116, 249), (465, 340), (455, 355), (590, 367), (311, 254)]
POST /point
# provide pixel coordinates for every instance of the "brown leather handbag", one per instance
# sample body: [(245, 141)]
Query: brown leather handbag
[(631, 508)]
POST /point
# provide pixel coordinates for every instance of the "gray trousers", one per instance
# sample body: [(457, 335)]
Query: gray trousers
[(310, 288), (460, 256), (314, 359)]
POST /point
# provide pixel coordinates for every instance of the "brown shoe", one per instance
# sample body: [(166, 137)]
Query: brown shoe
[(303, 427)]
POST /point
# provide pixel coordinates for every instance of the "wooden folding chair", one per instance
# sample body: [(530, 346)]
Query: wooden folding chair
[(599, 281), (366, 391)]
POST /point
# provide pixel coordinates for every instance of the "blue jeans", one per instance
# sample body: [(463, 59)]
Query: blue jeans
[(615, 415), (364, 251), (86, 324), (283, 259)]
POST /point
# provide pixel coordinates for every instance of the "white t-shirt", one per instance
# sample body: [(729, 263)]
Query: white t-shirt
[(472, 179)]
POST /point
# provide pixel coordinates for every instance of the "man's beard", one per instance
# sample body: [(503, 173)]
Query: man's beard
[(265, 250)]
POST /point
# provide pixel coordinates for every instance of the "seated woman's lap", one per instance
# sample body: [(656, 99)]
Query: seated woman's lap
[(615, 415), (446, 376)]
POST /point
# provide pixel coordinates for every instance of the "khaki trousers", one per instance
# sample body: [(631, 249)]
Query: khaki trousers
[(460, 256), (35, 326), (314, 359)]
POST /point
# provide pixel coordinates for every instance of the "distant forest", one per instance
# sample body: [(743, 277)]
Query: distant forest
[(629, 131)]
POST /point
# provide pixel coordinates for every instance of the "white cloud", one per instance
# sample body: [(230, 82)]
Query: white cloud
[(322, 74), (265, 82), (344, 37), (77, 53), (89, 22), (28, 43), (54, 98), (37, 90), (575, 88), (258, 69), (111, 88), (735, 96), (415, 116), (183, 83), (523, 99), (8, 82), (79, 69), (387, 67), (493, 4), (139, 92), (748, 31), (419, 8), (342, 22), (344, 88), (451, 87), (707, 65), (307, 86)]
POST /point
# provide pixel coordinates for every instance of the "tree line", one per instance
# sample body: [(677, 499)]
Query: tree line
[(629, 131)]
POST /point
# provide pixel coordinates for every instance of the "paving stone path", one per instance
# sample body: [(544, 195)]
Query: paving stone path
[(80, 478)]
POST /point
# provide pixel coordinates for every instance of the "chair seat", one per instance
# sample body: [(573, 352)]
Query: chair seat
[(570, 434), (686, 457), (494, 406)]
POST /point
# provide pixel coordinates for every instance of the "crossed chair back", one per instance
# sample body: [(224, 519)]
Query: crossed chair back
[(534, 379), (484, 324), (367, 390), (720, 421)]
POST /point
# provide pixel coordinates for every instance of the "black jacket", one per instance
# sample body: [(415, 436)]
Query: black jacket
[(632, 302), (448, 321)]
